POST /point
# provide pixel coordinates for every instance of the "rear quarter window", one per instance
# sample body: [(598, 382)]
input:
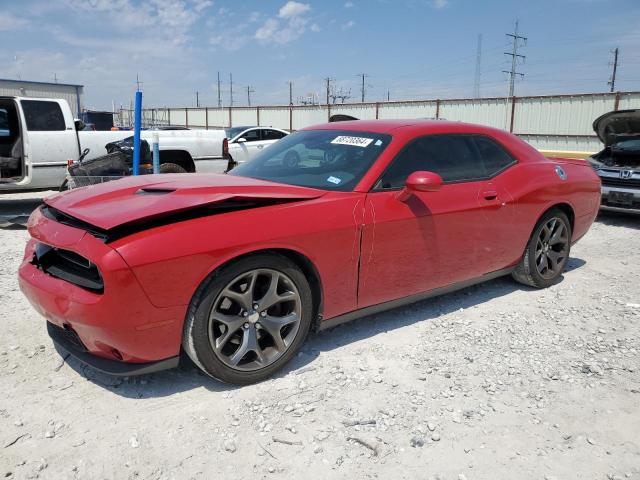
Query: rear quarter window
[(493, 155), (42, 116)]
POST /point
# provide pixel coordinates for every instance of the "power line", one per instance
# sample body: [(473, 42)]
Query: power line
[(362, 88), (612, 80), (476, 80), (514, 57)]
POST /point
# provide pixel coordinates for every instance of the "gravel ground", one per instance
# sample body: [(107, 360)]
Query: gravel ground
[(495, 381)]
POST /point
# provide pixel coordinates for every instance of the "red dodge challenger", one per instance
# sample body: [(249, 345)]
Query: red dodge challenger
[(331, 223)]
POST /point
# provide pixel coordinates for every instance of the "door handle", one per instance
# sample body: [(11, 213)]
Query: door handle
[(260, 146), (490, 194)]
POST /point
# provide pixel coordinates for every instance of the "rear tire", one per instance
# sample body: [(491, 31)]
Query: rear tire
[(248, 319), (171, 168), (547, 252)]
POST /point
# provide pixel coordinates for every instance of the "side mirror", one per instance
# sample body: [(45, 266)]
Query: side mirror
[(241, 140), (420, 182), (79, 124)]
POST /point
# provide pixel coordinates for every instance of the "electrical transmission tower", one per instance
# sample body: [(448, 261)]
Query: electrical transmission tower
[(476, 80), (250, 90), (362, 88), (309, 100), (517, 42), (612, 80)]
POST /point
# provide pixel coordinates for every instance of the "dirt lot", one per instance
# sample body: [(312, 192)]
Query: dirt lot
[(496, 381)]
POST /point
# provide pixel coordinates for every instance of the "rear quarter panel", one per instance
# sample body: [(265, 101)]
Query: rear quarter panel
[(536, 187)]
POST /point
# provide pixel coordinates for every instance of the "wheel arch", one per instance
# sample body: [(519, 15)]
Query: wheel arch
[(303, 262), (179, 157), (565, 208)]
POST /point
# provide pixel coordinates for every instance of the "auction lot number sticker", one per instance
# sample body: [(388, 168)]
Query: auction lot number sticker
[(355, 141)]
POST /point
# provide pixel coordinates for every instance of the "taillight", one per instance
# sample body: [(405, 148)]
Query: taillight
[(225, 148)]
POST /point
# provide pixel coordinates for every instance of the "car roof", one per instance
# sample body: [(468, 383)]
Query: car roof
[(388, 126)]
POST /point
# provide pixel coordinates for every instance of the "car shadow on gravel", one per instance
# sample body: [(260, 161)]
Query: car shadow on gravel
[(619, 219), (188, 377)]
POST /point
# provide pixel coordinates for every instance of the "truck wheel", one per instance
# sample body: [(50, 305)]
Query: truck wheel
[(171, 168), (547, 252)]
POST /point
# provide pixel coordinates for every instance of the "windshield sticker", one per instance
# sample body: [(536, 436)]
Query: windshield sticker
[(378, 143), (355, 141), (334, 180)]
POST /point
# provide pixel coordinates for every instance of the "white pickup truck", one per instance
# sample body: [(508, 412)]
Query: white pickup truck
[(38, 136)]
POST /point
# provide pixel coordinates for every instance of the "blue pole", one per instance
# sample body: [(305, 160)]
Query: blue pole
[(156, 153), (136, 133)]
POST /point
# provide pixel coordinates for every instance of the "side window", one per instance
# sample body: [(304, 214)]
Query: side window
[(494, 157), (453, 157), (252, 136), (43, 116), (272, 135)]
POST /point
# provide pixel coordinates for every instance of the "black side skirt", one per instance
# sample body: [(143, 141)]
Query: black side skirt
[(112, 367), (381, 307)]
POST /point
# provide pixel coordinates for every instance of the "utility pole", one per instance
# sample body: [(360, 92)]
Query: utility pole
[(197, 99), (388, 96), (55, 77), (231, 90), (290, 93), (476, 80), (516, 43), (138, 82), (219, 96), (612, 81), (249, 92), (362, 88), (328, 81)]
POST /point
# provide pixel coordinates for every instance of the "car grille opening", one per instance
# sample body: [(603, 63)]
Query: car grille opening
[(620, 182), (67, 334), (68, 266)]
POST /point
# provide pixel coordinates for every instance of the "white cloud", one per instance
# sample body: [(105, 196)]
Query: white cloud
[(439, 4), (293, 9), (290, 24), (9, 21), (201, 5), (348, 25), (348, 5), (315, 28)]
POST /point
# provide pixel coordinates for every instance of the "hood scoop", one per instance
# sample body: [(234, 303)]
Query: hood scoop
[(154, 191)]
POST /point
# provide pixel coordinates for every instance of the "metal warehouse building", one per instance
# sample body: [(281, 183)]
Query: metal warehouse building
[(24, 88)]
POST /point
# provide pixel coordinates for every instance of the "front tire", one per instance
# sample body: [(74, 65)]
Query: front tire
[(547, 252), (248, 319)]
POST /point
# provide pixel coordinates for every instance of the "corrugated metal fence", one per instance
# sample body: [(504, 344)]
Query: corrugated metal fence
[(554, 122)]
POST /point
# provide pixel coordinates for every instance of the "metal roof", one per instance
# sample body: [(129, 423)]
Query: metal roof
[(14, 80)]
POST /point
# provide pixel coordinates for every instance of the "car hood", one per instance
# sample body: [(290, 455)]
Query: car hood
[(613, 124), (131, 199)]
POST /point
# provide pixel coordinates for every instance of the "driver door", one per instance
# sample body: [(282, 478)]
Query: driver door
[(431, 239), (248, 147)]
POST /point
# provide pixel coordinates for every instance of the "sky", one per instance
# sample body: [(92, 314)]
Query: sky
[(410, 49)]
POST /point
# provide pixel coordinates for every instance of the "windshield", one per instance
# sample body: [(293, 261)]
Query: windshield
[(232, 132), (325, 159)]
